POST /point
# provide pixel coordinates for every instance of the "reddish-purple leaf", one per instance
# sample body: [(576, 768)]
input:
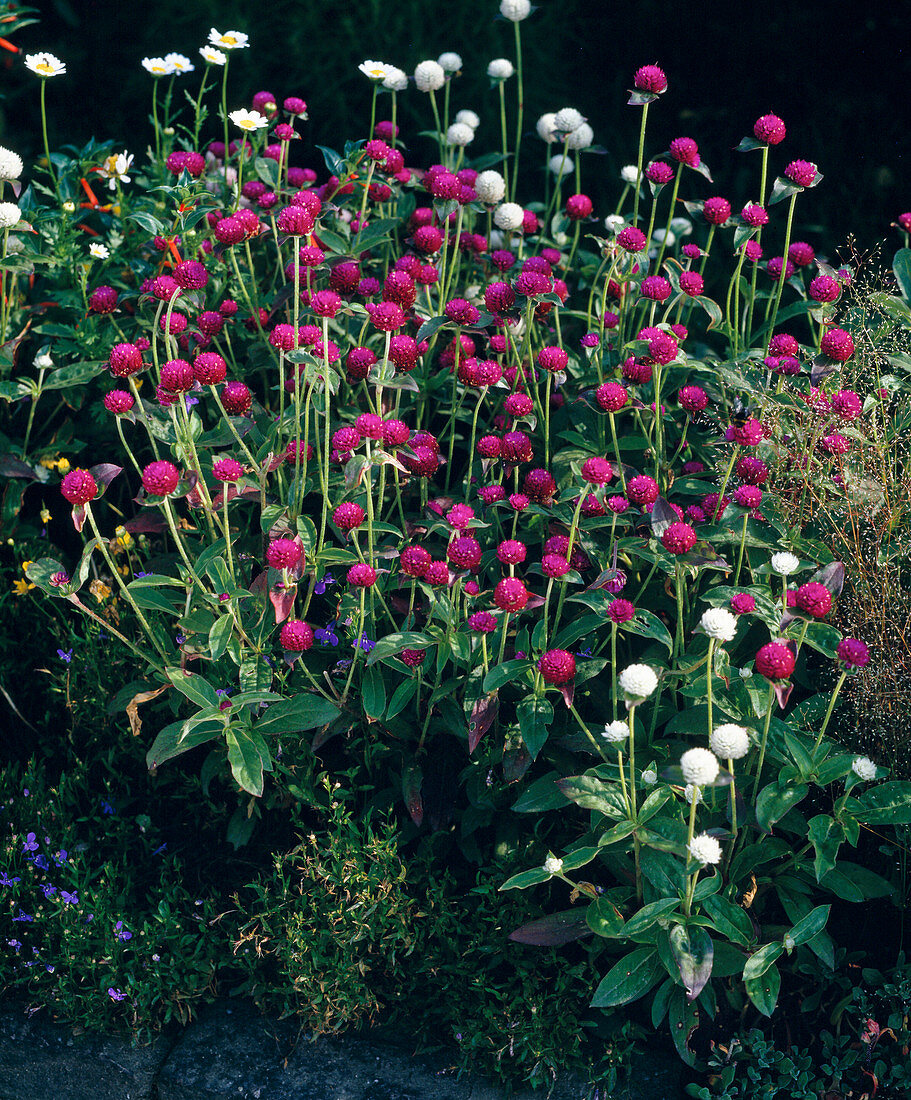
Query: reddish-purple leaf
[(10, 466), (79, 516), (516, 763), (831, 576), (481, 718), (104, 473), (554, 930), (282, 600), (412, 778)]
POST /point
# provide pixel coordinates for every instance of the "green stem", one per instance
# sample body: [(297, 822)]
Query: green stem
[(645, 107), (829, 709)]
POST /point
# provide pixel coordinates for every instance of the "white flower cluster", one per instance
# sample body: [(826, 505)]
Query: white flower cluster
[(704, 849), (863, 767), (501, 68), (10, 164), (469, 118), (568, 119), (699, 767), (719, 623), (172, 64), (459, 133), (552, 865), (615, 731), (450, 62), (546, 128), (638, 681), (490, 186), (515, 10), (429, 76), (729, 741), (785, 563), (508, 216), (9, 215), (560, 164)]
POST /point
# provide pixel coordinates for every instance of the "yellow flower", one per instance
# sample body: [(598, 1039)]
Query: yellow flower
[(63, 465), (45, 515), (25, 566), (99, 590), (123, 536), (21, 587)]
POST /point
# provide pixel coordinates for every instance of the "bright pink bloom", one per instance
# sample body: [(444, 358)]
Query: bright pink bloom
[(160, 479), (296, 636), (362, 575), (775, 661), (853, 653), (743, 603), (557, 666), (649, 78), (769, 129), (78, 487), (678, 538), (510, 594), (815, 599)]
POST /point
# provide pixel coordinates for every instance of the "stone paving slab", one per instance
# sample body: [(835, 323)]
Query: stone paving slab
[(231, 1052)]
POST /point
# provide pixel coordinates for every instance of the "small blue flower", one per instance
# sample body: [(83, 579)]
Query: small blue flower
[(584, 652), (116, 994), (61, 857), (68, 898), (14, 944), (65, 655), (23, 917), (31, 844), (5, 880), (321, 585), (41, 862), (365, 643), (327, 636), (48, 890), (106, 807), (160, 849), (123, 934)]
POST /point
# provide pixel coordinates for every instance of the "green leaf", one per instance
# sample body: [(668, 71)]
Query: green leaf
[(729, 919), (782, 189), (578, 858), (429, 327), (693, 951), (683, 1019), (763, 991), (852, 882), (535, 716), (395, 643), (302, 712), (255, 675), (825, 837), (629, 979), (649, 915), (823, 638), (147, 221), (196, 689), (604, 918), (886, 804), (401, 697), (245, 760), (901, 267), (760, 961), (76, 375), (372, 234), (774, 802), (591, 793), (525, 879), (373, 693), (151, 599), (543, 794), (267, 170), (503, 674), (648, 625), (219, 636), (169, 743), (807, 927)]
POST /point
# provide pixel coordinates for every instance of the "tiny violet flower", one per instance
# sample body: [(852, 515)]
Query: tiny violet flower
[(116, 994), (321, 585), (65, 655), (327, 635), (365, 643)]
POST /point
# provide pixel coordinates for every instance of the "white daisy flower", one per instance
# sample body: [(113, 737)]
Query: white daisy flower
[(374, 70), (179, 64), (230, 40), (99, 251), (212, 56), (248, 120), (157, 66), (44, 64), (115, 167)]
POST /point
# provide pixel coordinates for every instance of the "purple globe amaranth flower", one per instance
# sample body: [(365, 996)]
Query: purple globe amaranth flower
[(650, 78), (190, 275), (642, 489), (755, 215), (659, 172), (743, 603), (78, 487), (227, 469), (597, 471), (662, 347), (814, 598), (835, 444), (693, 398), (125, 360), (678, 538), (748, 496), (103, 300), (846, 404), (482, 622), (552, 359), (631, 239), (749, 433), (691, 283), (775, 661), (296, 636), (837, 344), (716, 210), (160, 478), (611, 396), (578, 207), (557, 666), (656, 288), (769, 129), (801, 253), (685, 151), (853, 653), (362, 575), (510, 594), (801, 172), (118, 401)]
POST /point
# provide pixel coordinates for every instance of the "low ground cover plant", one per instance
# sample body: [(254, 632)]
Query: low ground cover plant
[(525, 524)]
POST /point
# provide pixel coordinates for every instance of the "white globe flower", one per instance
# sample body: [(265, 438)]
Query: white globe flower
[(660, 235), (639, 681), (785, 563), (396, 79), (429, 76), (581, 137), (614, 223), (374, 70), (469, 118), (450, 62), (157, 66), (729, 741), (501, 68), (681, 227), (546, 128), (459, 134), (490, 186), (211, 56), (43, 360), (9, 215), (629, 173), (44, 64), (552, 865), (508, 216), (615, 731), (699, 766), (691, 791), (515, 10), (704, 849), (10, 164), (649, 777), (560, 165), (568, 119), (864, 768), (719, 623), (248, 120), (230, 40), (179, 64)]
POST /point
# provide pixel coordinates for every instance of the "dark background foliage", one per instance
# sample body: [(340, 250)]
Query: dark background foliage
[(836, 72)]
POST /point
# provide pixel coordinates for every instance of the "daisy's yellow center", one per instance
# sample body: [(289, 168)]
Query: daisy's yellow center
[(45, 67), (229, 39)]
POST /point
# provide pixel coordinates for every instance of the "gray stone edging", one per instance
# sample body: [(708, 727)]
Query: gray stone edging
[(231, 1052)]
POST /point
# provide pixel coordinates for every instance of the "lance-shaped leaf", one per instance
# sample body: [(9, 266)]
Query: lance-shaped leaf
[(693, 952), (554, 930), (629, 979)]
